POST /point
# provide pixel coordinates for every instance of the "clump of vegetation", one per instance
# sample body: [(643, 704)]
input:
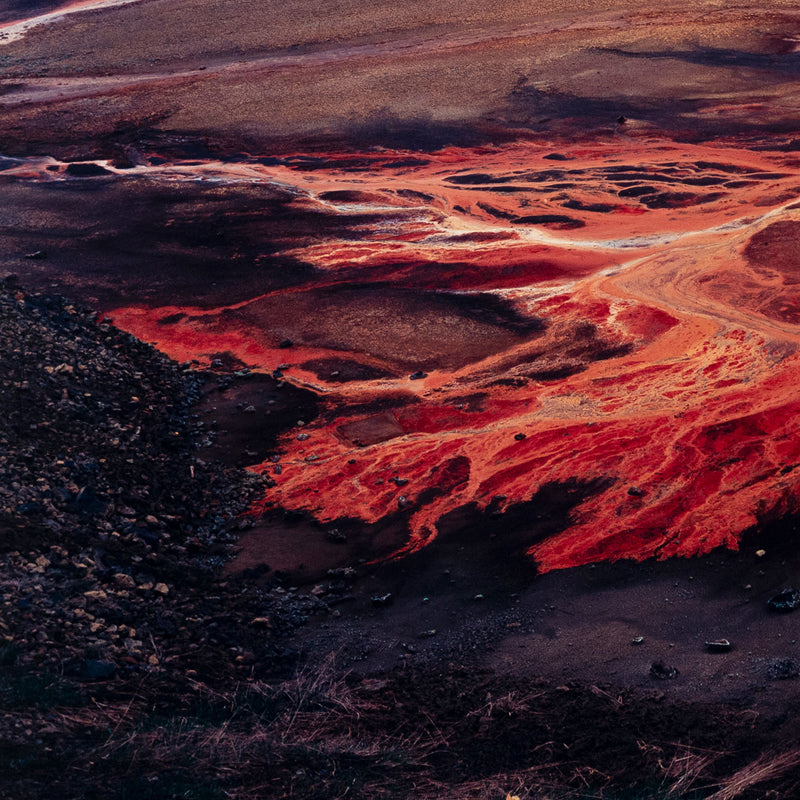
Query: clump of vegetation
[(325, 734)]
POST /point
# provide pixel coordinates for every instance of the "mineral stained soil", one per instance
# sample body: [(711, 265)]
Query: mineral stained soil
[(535, 271)]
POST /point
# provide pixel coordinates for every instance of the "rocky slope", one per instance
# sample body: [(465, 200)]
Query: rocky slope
[(112, 530)]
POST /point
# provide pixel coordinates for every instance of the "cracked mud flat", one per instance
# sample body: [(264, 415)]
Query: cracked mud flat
[(536, 274)]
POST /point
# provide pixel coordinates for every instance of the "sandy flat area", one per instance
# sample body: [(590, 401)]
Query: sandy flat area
[(255, 73)]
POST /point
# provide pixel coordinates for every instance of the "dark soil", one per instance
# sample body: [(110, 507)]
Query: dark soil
[(135, 653), (113, 531)]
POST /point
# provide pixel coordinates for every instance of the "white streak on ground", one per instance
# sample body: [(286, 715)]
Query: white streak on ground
[(12, 31)]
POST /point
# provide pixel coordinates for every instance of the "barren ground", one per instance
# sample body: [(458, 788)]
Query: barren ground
[(502, 302)]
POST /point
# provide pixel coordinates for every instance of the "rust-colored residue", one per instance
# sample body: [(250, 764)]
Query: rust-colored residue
[(625, 312)]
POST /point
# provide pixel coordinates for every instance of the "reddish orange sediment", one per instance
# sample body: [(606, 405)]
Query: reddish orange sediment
[(664, 364)]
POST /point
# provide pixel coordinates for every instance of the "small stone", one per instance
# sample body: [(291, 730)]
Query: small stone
[(418, 375), (302, 437), (125, 581), (285, 344), (520, 436), (86, 169), (87, 502), (382, 600), (96, 670), (261, 622), (152, 660), (95, 594), (637, 640), (785, 601), (761, 553), (660, 671), (718, 646), (161, 588), (479, 597)]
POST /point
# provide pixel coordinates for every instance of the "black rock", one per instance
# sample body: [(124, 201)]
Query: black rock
[(8, 655), (36, 255), (785, 601), (718, 646), (635, 491), (87, 502), (336, 600), (147, 536), (660, 671), (418, 375), (95, 670), (285, 344), (520, 436), (86, 170)]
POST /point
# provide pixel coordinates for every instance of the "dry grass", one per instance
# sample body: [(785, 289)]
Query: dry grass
[(765, 768), (687, 768), (322, 735), (314, 717)]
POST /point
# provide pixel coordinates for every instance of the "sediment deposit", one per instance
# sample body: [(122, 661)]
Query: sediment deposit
[(479, 323), (507, 250)]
